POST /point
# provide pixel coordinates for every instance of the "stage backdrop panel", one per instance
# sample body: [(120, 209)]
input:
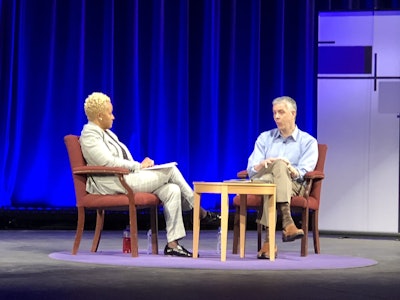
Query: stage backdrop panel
[(358, 76)]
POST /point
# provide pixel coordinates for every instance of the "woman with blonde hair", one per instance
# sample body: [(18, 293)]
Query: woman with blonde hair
[(100, 146)]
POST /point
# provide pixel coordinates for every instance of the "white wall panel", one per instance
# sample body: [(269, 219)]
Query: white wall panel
[(361, 189)]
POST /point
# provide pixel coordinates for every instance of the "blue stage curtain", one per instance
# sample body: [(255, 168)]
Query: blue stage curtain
[(191, 82)]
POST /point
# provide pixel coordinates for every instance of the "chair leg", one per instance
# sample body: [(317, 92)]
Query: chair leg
[(79, 229), (242, 225), (314, 219), (236, 231), (304, 240), (98, 230), (259, 226), (134, 230), (259, 236), (154, 229)]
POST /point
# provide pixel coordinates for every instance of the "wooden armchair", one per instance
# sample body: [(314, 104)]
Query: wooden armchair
[(307, 204), (130, 201)]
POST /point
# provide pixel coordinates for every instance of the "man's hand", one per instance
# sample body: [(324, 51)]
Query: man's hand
[(293, 171), (270, 160), (264, 163)]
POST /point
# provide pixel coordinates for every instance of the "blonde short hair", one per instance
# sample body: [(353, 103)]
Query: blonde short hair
[(95, 103)]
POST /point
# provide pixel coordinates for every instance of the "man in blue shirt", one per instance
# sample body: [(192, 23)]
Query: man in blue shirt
[(282, 156)]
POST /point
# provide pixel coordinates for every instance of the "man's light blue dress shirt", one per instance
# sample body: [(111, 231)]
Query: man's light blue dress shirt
[(301, 149)]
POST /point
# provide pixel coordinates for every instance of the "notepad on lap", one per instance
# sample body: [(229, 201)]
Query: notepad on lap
[(162, 166)]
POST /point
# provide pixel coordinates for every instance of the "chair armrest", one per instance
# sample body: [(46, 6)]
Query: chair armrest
[(308, 175), (119, 172), (314, 175), (87, 170), (242, 174)]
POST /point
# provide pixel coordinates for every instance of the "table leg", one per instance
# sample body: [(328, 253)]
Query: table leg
[(196, 225), (272, 225), (224, 221)]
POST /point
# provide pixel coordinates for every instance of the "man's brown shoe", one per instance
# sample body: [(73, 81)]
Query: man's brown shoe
[(264, 252), (291, 233)]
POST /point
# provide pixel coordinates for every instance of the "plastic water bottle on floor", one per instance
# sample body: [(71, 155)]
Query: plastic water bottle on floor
[(219, 240), (149, 244), (126, 240)]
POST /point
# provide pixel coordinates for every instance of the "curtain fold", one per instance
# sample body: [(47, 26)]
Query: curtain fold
[(191, 81)]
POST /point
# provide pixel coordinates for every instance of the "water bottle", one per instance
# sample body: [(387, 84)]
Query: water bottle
[(149, 244), (126, 240), (219, 240)]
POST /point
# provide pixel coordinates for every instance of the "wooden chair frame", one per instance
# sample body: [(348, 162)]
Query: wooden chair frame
[(130, 201), (308, 204)]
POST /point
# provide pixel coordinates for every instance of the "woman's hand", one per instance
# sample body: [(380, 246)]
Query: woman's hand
[(146, 163)]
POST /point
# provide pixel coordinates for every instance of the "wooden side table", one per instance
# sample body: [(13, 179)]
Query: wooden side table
[(234, 187)]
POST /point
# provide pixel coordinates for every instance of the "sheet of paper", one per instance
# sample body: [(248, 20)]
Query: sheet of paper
[(162, 166)]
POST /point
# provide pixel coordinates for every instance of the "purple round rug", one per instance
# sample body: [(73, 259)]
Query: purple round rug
[(211, 260)]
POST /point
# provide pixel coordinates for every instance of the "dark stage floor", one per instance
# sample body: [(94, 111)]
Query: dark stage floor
[(27, 272)]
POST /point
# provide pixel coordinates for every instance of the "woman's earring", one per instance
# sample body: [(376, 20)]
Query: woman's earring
[(101, 119)]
